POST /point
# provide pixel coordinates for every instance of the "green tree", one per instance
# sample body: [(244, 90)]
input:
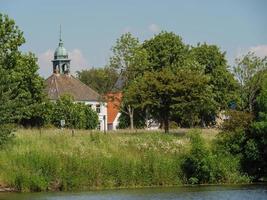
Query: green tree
[(100, 79), (250, 141), (168, 57), (249, 72), (166, 50), (21, 70), (130, 60), (76, 115), (256, 147), (30, 90), (181, 92), (224, 86), (8, 104)]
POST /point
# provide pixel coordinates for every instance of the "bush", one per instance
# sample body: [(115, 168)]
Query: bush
[(76, 115), (197, 164), (237, 120), (204, 165), (173, 125)]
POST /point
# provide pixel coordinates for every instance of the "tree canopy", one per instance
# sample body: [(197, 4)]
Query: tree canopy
[(100, 79), (20, 69), (249, 71)]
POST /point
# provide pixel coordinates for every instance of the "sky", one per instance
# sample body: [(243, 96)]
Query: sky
[(90, 27)]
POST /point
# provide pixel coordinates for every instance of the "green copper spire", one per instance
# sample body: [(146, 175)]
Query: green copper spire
[(60, 38), (61, 62), (61, 52)]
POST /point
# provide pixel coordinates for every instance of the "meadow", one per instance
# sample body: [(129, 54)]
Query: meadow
[(58, 160)]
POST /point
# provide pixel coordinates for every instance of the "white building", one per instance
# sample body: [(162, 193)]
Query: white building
[(62, 82)]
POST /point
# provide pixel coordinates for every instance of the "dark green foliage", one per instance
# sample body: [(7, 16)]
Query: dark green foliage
[(248, 140), (76, 115), (256, 147), (91, 118), (20, 71), (8, 105), (250, 71), (30, 86), (224, 86), (209, 165), (139, 120), (188, 86), (237, 120), (166, 50), (197, 165), (182, 92), (100, 79), (130, 60)]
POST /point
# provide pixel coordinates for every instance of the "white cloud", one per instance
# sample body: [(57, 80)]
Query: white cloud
[(260, 50), (78, 62), (154, 28), (45, 64)]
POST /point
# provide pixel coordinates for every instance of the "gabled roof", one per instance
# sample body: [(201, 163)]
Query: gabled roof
[(59, 84)]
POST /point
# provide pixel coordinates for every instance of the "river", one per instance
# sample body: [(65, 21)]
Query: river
[(255, 192)]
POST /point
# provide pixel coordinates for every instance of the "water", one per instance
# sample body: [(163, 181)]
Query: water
[(255, 192)]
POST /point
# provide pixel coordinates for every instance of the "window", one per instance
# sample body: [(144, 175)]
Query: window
[(98, 110), (99, 126)]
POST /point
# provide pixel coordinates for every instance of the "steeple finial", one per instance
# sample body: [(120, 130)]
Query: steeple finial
[(60, 39)]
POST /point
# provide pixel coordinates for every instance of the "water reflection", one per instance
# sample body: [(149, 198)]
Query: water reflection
[(258, 192)]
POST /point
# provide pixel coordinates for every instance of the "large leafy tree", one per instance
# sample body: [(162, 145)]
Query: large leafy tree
[(249, 71), (224, 86), (250, 141), (130, 60), (166, 50), (21, 70), (10, 38), (181, 92), (100, 79), (8, 104), (255, 149)]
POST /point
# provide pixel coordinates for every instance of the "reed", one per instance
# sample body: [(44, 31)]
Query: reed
[(52, 159)]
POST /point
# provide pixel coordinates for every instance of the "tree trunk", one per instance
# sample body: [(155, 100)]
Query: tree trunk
[(166, 122), (131, 115), (166, 125)]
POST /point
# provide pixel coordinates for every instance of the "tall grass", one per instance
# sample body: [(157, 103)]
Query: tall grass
[(57, 160)]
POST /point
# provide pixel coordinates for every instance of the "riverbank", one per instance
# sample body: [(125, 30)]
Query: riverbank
[(57, 160)]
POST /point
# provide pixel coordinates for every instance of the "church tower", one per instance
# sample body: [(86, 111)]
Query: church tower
[(61, 62)]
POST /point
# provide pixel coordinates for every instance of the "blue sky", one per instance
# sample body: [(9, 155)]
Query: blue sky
[(90, 28)]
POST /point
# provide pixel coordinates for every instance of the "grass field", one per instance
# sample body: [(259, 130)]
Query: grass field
[(50, 160)]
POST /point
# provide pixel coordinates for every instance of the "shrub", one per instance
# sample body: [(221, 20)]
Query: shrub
[(237, 120), (76, 115), (204, 165), (173, 125), (197, 163)]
